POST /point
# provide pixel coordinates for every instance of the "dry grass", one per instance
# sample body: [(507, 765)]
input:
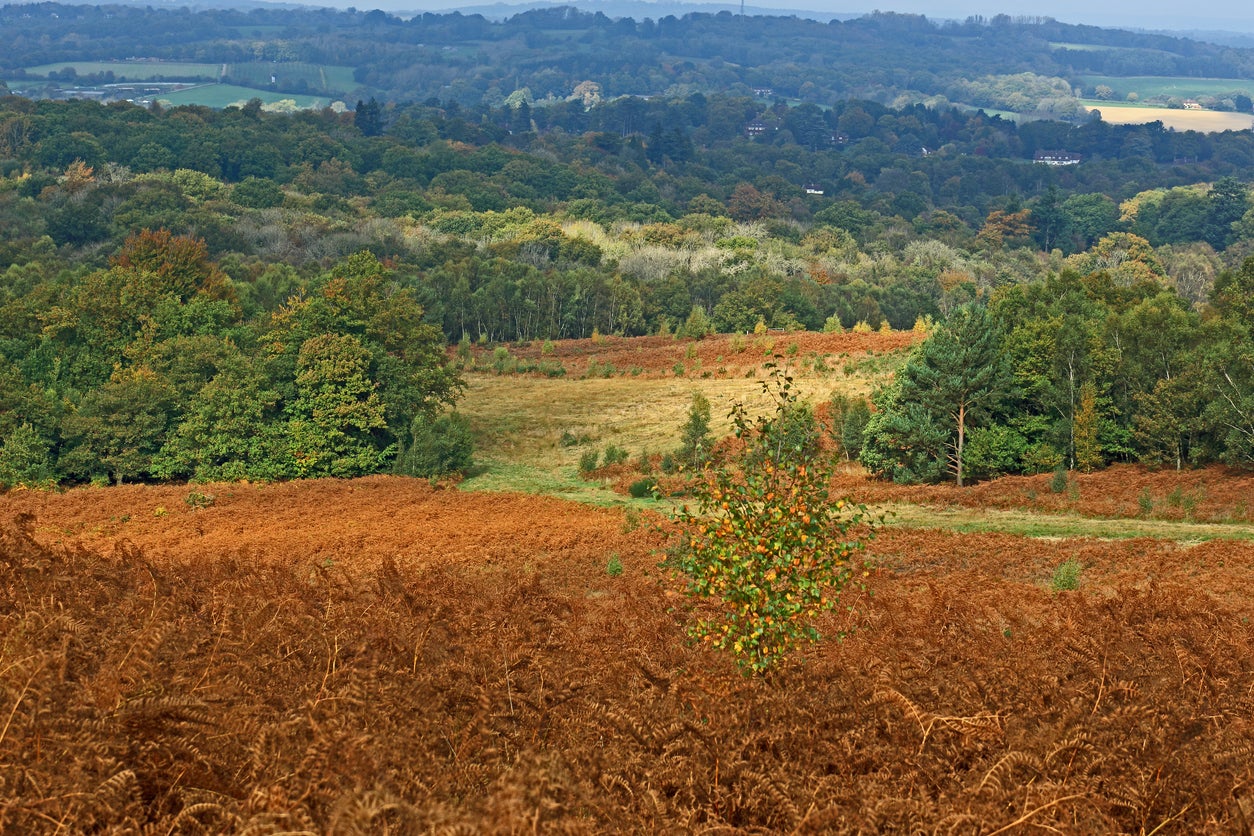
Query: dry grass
[(375, 656)]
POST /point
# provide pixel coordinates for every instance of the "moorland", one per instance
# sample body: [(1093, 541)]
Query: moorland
[(341, 446)]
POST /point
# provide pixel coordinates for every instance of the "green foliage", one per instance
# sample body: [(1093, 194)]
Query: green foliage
[(337, 410), (613, 455), (1066, 576), (642, 488), (1059, 482), (25, 459), (955, 379), (765, 550), (588, 461), (197, 500), (696, 441), (438, 446), (614, 566)]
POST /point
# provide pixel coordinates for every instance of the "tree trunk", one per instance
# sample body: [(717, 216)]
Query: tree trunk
[(962, 434)]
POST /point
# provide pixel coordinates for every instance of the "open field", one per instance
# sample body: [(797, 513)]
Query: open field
[(377, 656), (387, 655), (642, 400), (1205, 121), (1180, 86), (223, 95), (318, 77), (134, 70)]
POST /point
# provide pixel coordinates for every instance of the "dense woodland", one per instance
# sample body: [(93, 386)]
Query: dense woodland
[(1027, 65), (210, 294)]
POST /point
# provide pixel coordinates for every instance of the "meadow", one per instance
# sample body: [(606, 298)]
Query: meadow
[(321, 78), (397, 655), (1184, 87), (223, 95)]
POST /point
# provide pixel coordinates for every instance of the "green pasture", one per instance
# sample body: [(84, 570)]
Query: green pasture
[(320, 78), (133, 70), (224, 95), (1104, 48), (1180, 87), (324, 79)]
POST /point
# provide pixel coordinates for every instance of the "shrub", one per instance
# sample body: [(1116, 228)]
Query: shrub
[(614, 566), (614, 455), (1058, 482), (588, 461), (765, 550), (438, 446), (197, 500), (642, 488), (1066, 575)]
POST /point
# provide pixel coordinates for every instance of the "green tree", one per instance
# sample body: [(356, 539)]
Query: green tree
[(695, 440), (231, 430), (952, 381), (26, 459), (119, 428), (335, 420), (437, 446)]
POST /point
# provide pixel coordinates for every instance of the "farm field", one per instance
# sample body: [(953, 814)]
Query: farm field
[(134, 70), (1181, 86), (1205, 121), (388, 655), (223, 95), (318, 77)]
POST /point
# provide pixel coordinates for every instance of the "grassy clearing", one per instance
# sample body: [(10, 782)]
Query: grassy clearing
[(1103, 48), (1051, 526), (522, 419), (531, 431)]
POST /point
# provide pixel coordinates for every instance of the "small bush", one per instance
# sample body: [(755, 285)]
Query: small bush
[(1058, 483), (197, 500), (614, 566), (588, 461), (599, 368), (614, 455), (1145, 501), (678, 369), (667, 464), (1066, 576), (570, 439), (642, 488)]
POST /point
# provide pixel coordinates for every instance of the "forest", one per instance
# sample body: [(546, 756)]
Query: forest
[(1027, 65), (233, 293)]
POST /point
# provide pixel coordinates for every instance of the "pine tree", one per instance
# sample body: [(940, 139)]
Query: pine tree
[(953, 380)]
